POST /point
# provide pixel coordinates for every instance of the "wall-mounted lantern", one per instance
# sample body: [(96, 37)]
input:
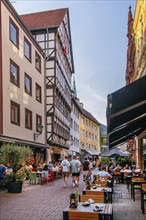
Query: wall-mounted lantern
[(38, 132)]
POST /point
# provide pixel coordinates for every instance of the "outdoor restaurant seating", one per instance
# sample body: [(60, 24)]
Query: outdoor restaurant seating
[(83, 215), (101, 183), (107, 192), (143, 197), (33, 178), (136, 184), (91, 211), (117, 176), (95, 198), (127, 178), (45, 177)]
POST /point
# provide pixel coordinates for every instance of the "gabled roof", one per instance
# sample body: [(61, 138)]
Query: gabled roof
[(89, 115), (52, 18)]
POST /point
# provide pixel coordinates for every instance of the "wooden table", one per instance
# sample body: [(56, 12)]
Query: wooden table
[(134, 183), (107, 190), (106, 213)]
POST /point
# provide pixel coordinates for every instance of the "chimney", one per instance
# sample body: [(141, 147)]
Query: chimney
[(81, 105)]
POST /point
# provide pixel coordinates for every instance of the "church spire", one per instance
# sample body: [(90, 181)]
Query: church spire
[(74, 87)]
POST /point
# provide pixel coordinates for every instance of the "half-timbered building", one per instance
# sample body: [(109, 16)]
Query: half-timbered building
[(51, 29)]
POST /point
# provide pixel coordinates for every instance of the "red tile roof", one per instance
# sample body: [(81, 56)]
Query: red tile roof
[(51, 18)]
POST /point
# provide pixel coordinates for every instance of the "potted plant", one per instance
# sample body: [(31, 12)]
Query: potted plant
[(15, 156)]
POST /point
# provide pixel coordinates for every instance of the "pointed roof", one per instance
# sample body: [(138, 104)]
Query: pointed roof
[(52, 18), (130, 14), (74, 87)]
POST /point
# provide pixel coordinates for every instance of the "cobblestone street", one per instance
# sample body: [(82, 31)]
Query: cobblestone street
[(47, 202)]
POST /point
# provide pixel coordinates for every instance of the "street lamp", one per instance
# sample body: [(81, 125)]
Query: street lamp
[(39, 131)]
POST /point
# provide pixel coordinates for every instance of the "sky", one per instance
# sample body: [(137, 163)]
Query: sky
[(98, 30)]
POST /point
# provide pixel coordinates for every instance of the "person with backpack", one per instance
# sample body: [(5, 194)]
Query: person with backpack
[(86, 169)]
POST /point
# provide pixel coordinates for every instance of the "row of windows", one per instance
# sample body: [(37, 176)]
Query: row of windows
[(88, 135), (15, 116), (88, 146), (75, 110), (88, 123), (75, 127), (15, 79), (75, 141), (14, 38)]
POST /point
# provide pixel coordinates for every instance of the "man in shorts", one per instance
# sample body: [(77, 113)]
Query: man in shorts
[(65, 165), (86, 169), (75, 165)]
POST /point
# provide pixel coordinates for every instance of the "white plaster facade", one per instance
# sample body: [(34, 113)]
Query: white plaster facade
[(15, 93), (74, 142)]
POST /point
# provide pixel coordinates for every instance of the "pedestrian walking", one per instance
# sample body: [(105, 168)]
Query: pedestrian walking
[(86, 169), (65, 166), (2, 171), (75, 165), (79, 169), (94, 164)]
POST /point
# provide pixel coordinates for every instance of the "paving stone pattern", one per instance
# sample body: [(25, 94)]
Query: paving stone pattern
[(47, 202)]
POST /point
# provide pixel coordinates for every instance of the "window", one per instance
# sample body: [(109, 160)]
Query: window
[(82, 120), (15, 113), (38, 93), (14, 33), (28, 119), (86, 133), (27, 49), (14, 73), (37, 62), (28, 84), (38, 121), (71, 123)]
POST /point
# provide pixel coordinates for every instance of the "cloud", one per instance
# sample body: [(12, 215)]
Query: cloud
[(93, 93), (93, 102)]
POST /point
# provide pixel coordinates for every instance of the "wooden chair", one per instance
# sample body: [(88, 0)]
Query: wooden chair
[(143, 185), (138, 178), (127, 178), (99, 194), (136, 173), (101, 183), (98, 184), (136, 186), (143, 197), (96, 198), (117, 176), (103, 178), (75, 215)]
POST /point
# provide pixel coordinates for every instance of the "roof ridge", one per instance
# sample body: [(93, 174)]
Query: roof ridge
[(59, 9), (89, 114)]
